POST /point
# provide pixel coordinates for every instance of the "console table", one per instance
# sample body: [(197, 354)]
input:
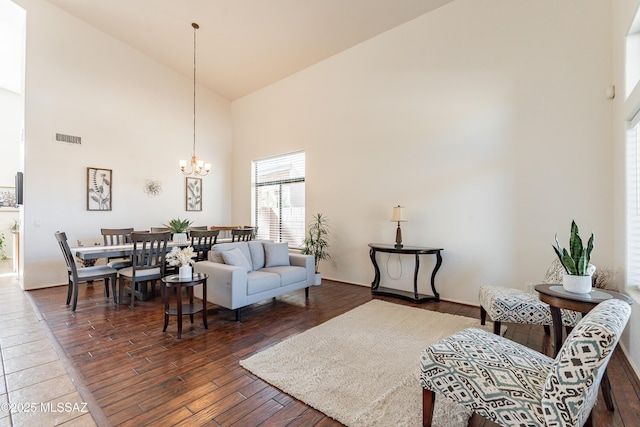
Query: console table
[(405, 250)]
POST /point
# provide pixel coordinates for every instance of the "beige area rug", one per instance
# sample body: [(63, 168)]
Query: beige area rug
[(363, 368)]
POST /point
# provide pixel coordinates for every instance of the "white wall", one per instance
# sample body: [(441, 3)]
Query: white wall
[(134, 116), (486, 120)]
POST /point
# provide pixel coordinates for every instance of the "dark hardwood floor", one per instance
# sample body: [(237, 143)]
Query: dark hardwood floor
[(140, 375)]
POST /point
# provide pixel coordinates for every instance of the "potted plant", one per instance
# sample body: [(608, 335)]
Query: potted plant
[(3, 256), (179, 229), (182, 258), (316, 242), (576, 262)]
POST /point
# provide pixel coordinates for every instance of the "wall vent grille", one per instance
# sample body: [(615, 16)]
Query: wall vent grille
[(68, 139)]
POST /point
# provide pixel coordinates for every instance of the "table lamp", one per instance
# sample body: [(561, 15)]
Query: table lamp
[(398, 216)]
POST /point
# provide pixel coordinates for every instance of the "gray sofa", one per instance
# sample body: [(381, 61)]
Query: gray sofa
[(243, 273)]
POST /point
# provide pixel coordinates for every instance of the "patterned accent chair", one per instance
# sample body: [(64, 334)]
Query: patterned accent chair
[(515, 306), (511, 384)]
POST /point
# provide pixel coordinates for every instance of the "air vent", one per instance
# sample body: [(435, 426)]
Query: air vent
[(68, 139)]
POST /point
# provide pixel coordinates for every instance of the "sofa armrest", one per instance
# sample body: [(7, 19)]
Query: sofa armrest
[(226, 285), (306, 261)]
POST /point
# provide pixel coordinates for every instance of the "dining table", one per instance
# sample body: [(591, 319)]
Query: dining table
[(86, 253)]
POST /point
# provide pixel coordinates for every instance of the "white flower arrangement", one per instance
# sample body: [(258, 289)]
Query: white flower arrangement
[(180, 257)]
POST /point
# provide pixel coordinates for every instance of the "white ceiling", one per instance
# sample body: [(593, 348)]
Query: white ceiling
[(244, 45)]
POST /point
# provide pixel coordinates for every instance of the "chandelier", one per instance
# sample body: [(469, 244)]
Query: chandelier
[(196, 167)]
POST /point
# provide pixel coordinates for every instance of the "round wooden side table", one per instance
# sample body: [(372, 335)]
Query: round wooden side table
[(174, 281)]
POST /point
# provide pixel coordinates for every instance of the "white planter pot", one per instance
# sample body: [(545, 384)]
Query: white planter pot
[(577, 284), (317, 279), (179, 237), (185, 272)]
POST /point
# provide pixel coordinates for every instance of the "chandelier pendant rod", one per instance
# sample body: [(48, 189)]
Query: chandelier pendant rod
[(195, 27)]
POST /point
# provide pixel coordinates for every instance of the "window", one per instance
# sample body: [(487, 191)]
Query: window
[(633, 207), (277, 206)]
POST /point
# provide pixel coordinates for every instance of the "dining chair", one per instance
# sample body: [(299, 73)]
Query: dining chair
[(198, 228), (147, 262), (117, 236), (202, 241), (160, 230), (77, 275), (241, 234)]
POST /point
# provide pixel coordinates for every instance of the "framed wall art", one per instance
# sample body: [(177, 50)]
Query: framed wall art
[(98, 189), (8, 198), (194, 194)]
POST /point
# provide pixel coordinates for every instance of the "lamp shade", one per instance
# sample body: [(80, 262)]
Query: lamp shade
[(398, 214)]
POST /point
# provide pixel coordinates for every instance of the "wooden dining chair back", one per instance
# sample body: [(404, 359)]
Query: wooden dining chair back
[(76, 275), (147, 262), (198, 228), (117, 236), (160, 230), (241, 234), (202, 241)]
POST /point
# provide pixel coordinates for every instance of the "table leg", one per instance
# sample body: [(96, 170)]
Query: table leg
[(165, 297), (179, 297), (556, 315), (415, 277), (190, 290), (204, 304), (376, 279), (433, 275)]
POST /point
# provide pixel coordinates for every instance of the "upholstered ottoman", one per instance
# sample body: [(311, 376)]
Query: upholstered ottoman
[(515, 306)]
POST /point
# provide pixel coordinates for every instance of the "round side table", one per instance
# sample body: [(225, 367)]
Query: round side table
[(174, 281)]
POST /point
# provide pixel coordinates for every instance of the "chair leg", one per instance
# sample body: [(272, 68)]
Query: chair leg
[(589, 422), (428, 403), (106, 286), (69, 291), (547, 330), (112, 279), (306, 292), (496, 327), (120, 289), (483, 315), (238, 314), (75, 296), (132, 284)]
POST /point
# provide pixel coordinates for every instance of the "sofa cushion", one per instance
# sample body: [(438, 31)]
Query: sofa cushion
[(236, 258), (276, 254), (257, 254), (260, 281), (288, 274), (243, 246)]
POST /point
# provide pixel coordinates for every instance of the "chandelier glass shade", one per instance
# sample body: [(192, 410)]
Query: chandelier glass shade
[(194, 167)]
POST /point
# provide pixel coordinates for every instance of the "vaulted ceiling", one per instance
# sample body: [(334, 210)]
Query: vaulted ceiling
[(244, 45)]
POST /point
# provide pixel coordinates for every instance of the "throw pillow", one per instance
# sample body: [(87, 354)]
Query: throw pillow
[(257, 254), (236, 258), (215, 256), (276, 254)]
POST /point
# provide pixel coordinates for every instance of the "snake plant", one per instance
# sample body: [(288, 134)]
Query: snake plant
[(178, 225), (576, 260)]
